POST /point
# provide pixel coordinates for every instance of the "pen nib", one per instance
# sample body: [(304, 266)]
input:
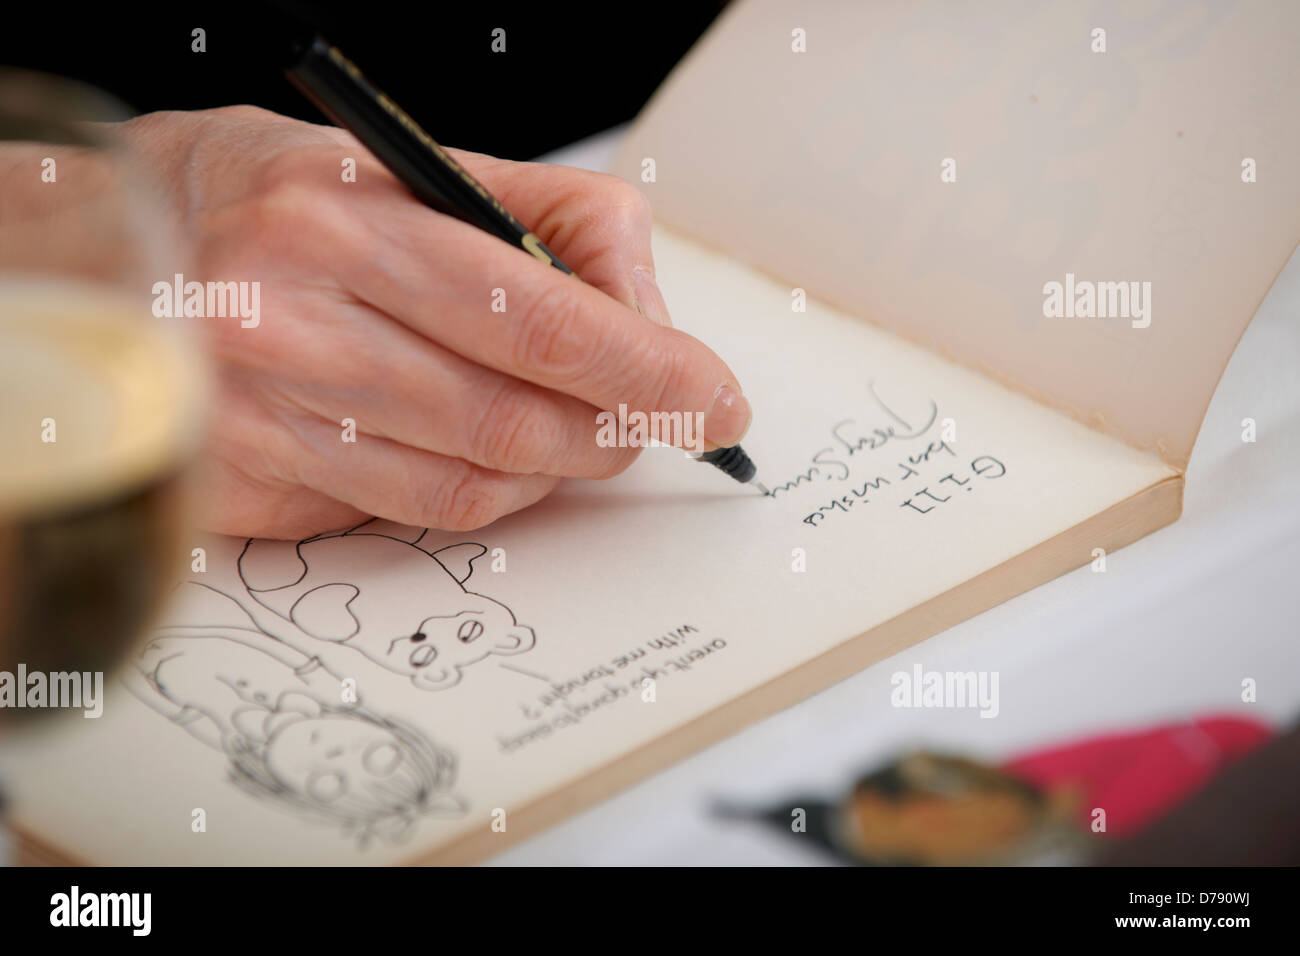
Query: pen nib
[(760, 486)]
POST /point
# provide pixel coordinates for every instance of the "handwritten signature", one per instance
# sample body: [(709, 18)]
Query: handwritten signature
[(831, 463)]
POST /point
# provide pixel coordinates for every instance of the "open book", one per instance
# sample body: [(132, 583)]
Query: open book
[(978, 278)]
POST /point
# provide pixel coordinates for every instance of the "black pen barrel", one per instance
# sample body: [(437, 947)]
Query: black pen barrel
[(343, 94)]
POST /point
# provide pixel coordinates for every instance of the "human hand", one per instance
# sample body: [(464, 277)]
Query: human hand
[(377, 309)]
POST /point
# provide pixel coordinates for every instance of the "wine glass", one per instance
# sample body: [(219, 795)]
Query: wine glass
[(100, 401)]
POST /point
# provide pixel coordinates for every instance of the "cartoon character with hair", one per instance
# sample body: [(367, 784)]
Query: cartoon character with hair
[(291, 733)]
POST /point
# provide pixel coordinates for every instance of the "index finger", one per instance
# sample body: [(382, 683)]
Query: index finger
[(511, 312)]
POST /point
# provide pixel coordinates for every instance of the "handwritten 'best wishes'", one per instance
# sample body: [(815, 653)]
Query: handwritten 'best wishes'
[(852, 443)]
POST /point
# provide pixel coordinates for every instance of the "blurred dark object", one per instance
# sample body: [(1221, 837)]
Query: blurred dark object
[(1066, 804), (569, 69), (929, 809), (1249, 815)]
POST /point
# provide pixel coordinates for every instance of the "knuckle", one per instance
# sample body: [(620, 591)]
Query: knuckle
[(664, 381), (289, 184), (552, 338), (296, 200), (285, 168), (275, 215), (624, 204), (515, 433), (465, 501), (245, 111), (637, 205), (280, 216), (622, 194)]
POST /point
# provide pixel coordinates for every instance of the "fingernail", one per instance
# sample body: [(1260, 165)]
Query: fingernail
[(649, 301), (728, 420)]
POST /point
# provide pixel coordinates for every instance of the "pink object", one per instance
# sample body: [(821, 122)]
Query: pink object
[(1137, 776)]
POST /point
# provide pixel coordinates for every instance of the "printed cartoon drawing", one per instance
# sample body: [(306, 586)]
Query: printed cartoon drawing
[(342, 587), (246, 672), (291, 736)]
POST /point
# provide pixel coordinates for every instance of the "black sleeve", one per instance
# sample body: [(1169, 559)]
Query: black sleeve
[(568, 70)]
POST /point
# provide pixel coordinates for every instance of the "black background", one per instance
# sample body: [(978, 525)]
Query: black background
[(569, 70), (251, 910)]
